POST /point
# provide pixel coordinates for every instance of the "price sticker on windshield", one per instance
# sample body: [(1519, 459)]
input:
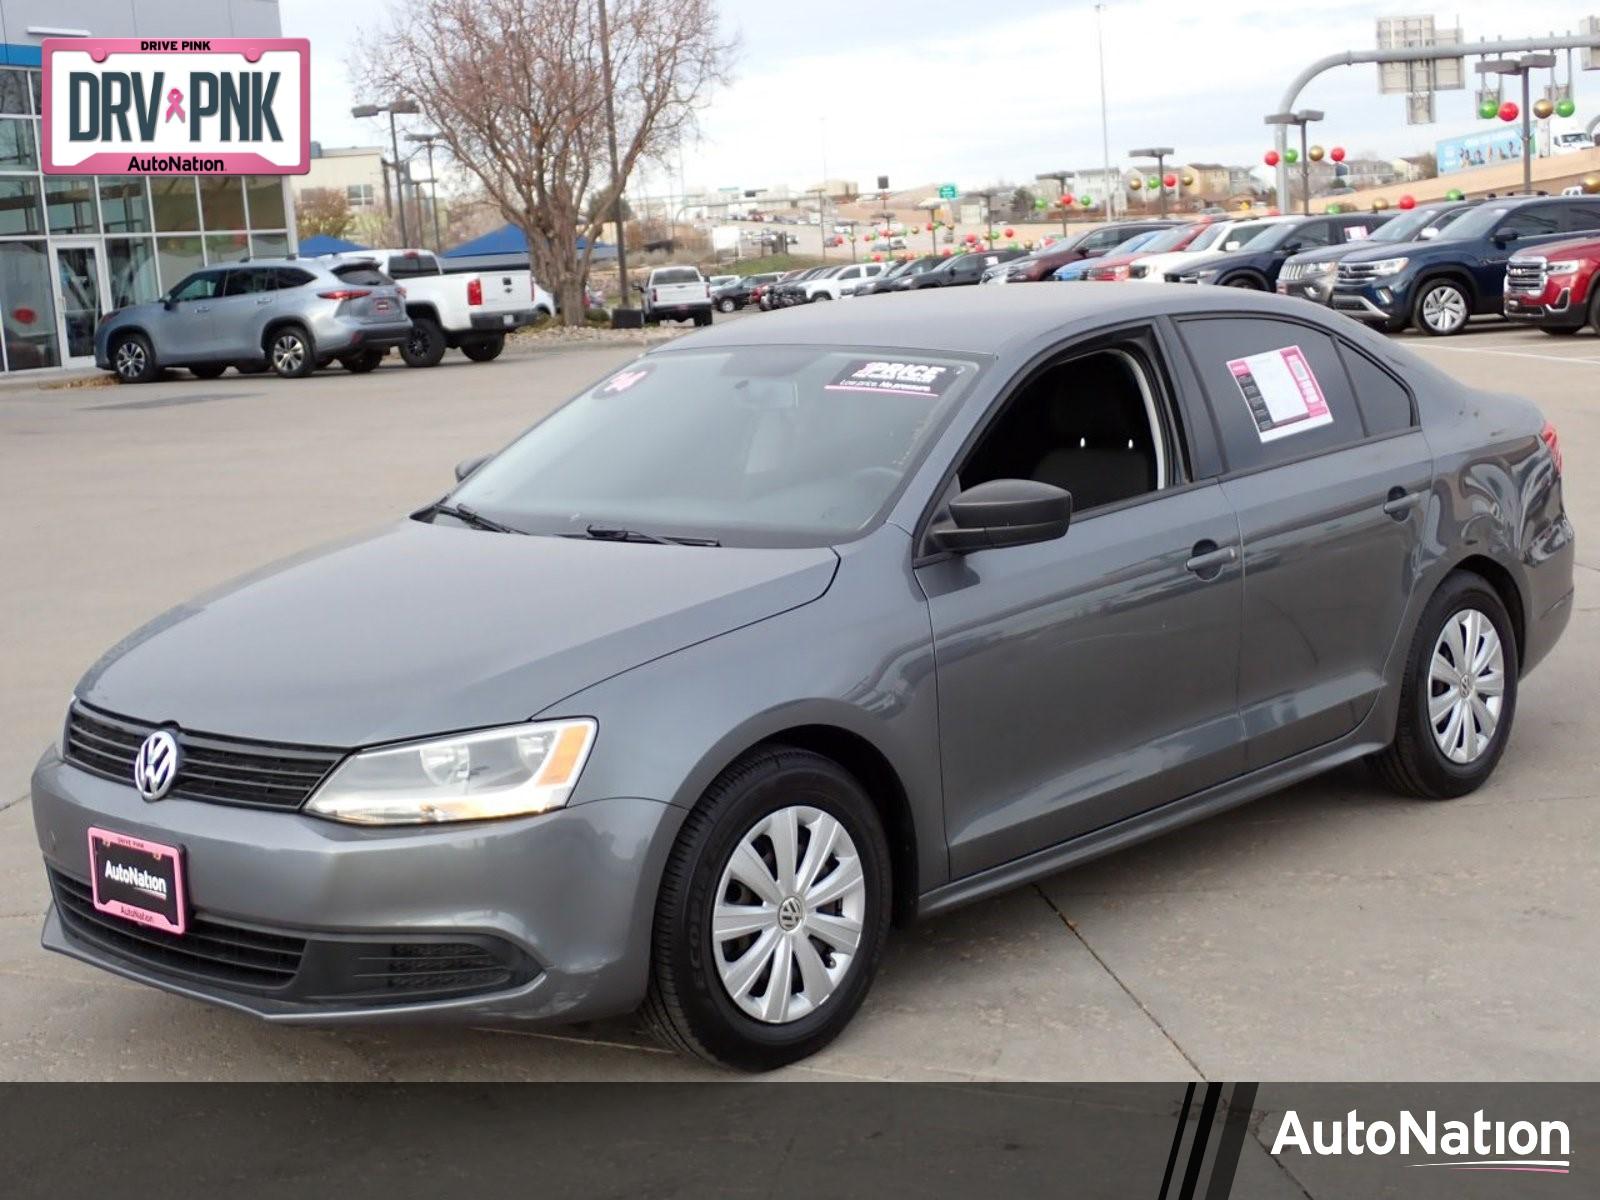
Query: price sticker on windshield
[(1282, 393), (893, 376)]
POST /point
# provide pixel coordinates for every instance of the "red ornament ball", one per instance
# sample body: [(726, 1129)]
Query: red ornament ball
[(1337, 154), (1270, 158), (1408, 202), (945, 253), (1509, 111), (1169, 180), (1010, 232)]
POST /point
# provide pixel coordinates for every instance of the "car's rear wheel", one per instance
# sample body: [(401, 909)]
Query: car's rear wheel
[(703, 318), (208, 370), (484, 349), (772, 915), (726, 305), (1442, 308), (1561, 330), (290, 352), (425, 346), (360, 364), (1459, 694), (132, 359)]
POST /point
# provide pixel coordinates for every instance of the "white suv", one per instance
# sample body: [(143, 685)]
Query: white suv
[(836, 285)]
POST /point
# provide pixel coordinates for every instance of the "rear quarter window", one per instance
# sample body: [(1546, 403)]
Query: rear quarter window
[(1246, 374), (1386, 404), (293, 277), (364, 274)]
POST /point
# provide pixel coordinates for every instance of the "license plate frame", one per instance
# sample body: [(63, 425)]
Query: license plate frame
[(124, 872)]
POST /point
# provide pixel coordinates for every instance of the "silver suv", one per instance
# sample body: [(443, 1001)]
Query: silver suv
[(292, 315)]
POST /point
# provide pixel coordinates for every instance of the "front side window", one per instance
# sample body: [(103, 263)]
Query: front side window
[(755, 446), (1088, 425), (1278, 389), (250, 280), (200, 286)]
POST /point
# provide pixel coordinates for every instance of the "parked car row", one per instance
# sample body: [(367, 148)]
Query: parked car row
[(293, 315)]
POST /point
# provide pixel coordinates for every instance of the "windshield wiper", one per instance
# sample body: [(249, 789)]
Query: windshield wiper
[(615, 533), (469, 516)]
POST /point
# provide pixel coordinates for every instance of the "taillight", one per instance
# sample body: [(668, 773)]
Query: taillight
[(474, 291), (1547, 435), (345, 294)]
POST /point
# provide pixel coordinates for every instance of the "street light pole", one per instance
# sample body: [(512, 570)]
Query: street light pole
[(1105, 124), (1524, 66), (611, 137), (428, 139), (393, 108), (1159, 153), (1303, 118)]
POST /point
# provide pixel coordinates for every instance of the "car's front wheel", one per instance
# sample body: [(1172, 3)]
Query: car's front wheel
[(133, 360), (1459, 694), (772, 914), (1442, 308)]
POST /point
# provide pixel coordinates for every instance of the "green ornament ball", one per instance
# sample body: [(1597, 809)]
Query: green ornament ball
[(1334, 209), (1488, 110), (1565, 107), (1291, 155), (1455, 194), (1153, 182)]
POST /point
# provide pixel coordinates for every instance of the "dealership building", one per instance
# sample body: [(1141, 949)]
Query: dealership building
[(73, 247)]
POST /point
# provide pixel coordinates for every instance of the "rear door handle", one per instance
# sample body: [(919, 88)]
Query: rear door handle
[(1401, 502), (1207, 558), (264, 300)]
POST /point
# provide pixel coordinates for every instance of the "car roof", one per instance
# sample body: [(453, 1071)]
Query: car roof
[(982, 320)]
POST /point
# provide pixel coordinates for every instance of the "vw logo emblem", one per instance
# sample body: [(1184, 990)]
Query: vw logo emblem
[(790, 914), (156, 765)]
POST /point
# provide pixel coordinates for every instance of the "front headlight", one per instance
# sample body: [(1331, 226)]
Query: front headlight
[(1388, 266), (1563, 266), (508, 772), (1328, 269)]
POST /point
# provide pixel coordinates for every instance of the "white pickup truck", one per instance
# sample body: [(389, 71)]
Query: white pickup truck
[(471, 311), (676, 294)]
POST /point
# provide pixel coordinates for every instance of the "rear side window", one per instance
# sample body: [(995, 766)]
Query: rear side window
[(245, 281), (1385, 402), (677, 275), (1278, 389), (1532, 221), (293, 277), (1582, 218), (362, 273)]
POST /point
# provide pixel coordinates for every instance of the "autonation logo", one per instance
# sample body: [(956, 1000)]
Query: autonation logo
[(1476, 1145)]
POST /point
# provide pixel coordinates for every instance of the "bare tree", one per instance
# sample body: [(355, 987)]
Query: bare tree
[(518, 90), (322, 211)]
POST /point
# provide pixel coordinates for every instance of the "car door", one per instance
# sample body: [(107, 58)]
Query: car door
[(1332, 505), (184, 330), (1525, 226), (240, 313), (846, 280), (1086, 679)]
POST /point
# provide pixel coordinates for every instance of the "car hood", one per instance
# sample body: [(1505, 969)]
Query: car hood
[(1443, 246), (1336, 253), (419, 629), (1174, 260)]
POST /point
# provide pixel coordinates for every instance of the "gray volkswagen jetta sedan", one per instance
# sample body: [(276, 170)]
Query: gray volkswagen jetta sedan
[(796, 628)]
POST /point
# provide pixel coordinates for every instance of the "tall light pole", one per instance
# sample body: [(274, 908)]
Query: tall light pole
[(400, 107), (1159, 153), (1302, 118), (611, 138), (1105, 124), (428, 139), (1524, 67)]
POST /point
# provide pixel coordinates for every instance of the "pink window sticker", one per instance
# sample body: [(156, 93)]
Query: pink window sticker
[(1281, 391)]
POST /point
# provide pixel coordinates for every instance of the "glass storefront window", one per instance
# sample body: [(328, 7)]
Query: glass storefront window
[(177, 257), (269, 245), (173, 199), (227, 247), (222, 201), (266, 201), (14, 92), (69, 204), (123, 204), (17, 152), (29, 311), (20, 211), (132, 263)]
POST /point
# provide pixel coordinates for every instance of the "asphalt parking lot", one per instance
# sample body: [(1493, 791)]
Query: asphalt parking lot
[(1330, 932)]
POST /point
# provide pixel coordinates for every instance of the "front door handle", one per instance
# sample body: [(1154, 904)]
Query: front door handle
[(202, 308), (1207, 558), (260, 300), (1401, 502)]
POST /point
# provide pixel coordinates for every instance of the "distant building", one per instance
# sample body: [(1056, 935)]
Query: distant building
[(357, 172)]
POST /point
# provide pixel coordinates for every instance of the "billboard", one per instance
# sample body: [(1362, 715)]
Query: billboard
[(166, 106), (1478, 150)]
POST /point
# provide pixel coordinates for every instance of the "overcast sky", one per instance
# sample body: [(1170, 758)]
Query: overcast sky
[(973, 92)]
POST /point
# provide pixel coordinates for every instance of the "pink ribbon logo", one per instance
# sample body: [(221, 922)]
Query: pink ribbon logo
[(175, 105)]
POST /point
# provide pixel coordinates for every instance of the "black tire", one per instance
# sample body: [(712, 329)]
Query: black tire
[(132, 359), (687, 1004), (290, 352), (208, 370), (360, 364), (253, 368), (1594, 309), (701, 319), (484, 349), (1560, 330), (1248, 282), (726, 305), (425, 347), (1413, 764), (821, 296), (1436, 287)]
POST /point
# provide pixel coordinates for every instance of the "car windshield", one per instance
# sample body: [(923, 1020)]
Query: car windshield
[(1211, 236), (1166, 239), (1476, 223), (1262, 236), (1408, 227), (751, 446)]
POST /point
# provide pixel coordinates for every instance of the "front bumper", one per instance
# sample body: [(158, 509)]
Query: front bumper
[(1379, 301), (1318, 291), (563, 901), (1554, 306)]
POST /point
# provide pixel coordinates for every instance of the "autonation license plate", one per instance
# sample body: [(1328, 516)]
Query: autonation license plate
[(137, 880)]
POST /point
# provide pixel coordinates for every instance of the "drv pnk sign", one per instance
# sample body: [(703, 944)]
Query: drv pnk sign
[(169, 106)]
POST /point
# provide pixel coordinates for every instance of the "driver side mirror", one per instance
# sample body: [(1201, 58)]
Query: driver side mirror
[(170, 303), (1504, 236), (1003, 512), (468, 465)]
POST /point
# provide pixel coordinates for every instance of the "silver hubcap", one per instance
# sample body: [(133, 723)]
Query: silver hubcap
[(788, 915), (1444, 309), (288, 352), (130, 360), (1466, 686)]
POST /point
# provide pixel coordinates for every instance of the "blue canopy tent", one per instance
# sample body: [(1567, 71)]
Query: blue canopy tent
[(507, 247), (321, 243)]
